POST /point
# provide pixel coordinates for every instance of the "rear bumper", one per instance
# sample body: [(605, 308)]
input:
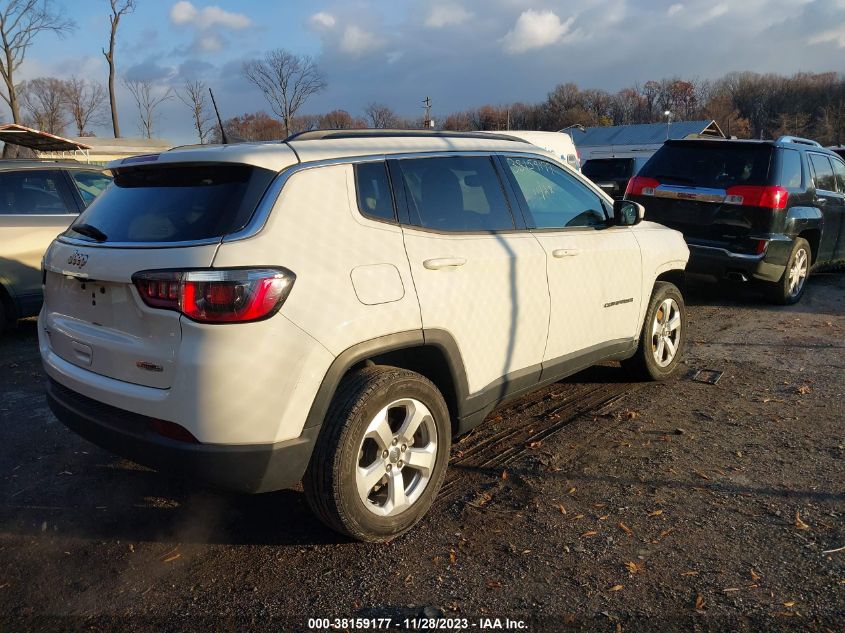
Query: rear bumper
[(720, 263), (247, 468)]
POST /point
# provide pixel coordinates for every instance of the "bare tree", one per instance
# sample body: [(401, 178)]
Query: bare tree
[(119, 8), (340, 120), (148, 102), (380, 116), (287, 81), (21, 21), (44, 103), (84, 100), (193, 96)]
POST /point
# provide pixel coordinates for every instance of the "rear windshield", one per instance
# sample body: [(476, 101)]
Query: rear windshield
[(173, 203), (710, 165), (608, 168)]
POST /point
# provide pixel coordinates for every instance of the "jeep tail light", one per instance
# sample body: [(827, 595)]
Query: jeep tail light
[(750, 196), (159, 289), (217, 296), (641, 186)]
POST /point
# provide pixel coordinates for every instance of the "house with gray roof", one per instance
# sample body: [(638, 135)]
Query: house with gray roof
[(631, 141)]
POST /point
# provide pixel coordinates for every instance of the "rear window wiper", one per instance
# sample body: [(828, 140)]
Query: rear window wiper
[(90, 231)]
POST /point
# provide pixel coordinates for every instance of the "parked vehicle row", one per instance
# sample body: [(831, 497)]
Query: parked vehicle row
[(336, 307), (613, 174), (763, 211), (38, 200)]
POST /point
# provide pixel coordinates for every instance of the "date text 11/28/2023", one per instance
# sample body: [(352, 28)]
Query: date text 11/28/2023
[(417, 624)]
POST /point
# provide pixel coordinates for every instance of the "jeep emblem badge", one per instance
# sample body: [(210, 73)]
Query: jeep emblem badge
[(78, 259)]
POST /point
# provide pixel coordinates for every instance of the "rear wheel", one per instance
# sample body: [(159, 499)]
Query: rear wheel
[(381, 455), (662, 337), (6, 320), (790, 288)]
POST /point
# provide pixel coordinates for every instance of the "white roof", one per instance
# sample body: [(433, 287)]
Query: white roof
[(277, 155)]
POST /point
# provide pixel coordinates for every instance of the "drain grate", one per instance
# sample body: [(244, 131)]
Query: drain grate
[(707, 376)]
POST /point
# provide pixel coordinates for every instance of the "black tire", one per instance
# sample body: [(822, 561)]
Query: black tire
[(643, 365), (781, 292), (6, 320), (330, 480)]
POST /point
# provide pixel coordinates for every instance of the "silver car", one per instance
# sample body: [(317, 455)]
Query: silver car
[(38, 200)]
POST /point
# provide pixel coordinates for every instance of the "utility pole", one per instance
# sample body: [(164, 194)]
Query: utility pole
[(427, 122)]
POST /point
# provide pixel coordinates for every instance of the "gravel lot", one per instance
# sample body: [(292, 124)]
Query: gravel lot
[(593, 504)]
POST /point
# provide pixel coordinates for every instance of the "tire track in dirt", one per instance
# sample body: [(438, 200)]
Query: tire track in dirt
[(509, 432)]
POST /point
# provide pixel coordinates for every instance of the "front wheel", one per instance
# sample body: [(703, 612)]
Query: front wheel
[(663, 335), (790, 288), (381, 455)]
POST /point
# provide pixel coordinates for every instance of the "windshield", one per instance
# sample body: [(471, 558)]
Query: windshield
[(714, 165), (173, 203)]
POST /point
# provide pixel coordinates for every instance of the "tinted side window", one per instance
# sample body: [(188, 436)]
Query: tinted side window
[(790, 169), (823, 172), (839, 171), (373, 185), (33, 192), (459, 193), (554, 198), (608, 168), (90, 184)]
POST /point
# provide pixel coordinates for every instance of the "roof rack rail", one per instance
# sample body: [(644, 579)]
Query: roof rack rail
[(798, 139), (315, 135)]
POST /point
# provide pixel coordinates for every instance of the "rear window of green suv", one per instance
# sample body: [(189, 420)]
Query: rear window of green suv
[(710, 164), (175, 203)]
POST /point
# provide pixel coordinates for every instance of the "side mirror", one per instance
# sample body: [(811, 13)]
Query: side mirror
[(627, 213)]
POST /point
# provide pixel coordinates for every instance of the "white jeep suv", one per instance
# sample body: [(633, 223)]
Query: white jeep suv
[(335, 308)]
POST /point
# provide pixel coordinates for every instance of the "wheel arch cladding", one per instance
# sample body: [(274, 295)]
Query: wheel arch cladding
[(674, 276), (813, 237), (432, 354)]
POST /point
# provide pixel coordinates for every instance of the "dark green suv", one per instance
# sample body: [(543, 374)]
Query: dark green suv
[(764, 211)]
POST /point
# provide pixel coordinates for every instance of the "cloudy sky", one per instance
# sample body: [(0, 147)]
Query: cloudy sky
[(459, 52)]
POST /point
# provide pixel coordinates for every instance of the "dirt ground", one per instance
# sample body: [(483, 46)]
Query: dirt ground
[(593, 504)]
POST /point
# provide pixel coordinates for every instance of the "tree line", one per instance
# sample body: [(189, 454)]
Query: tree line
[(744, 104)]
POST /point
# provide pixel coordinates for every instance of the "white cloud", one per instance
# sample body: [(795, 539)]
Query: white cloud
[(536, 29), (356, 40), (447, 15), (717, 11), (322, 20), (210, 43), (184, 12), (836, 36), (675, 9)]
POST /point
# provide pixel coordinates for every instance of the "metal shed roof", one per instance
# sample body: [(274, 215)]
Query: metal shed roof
[(37, 140), (642, 134)]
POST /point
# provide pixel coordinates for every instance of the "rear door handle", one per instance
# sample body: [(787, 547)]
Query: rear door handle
[(444, 262), (565, 252)]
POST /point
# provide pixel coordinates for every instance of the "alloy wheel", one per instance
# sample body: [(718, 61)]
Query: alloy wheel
[(666, 332), (798, 272), (396, 457)]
